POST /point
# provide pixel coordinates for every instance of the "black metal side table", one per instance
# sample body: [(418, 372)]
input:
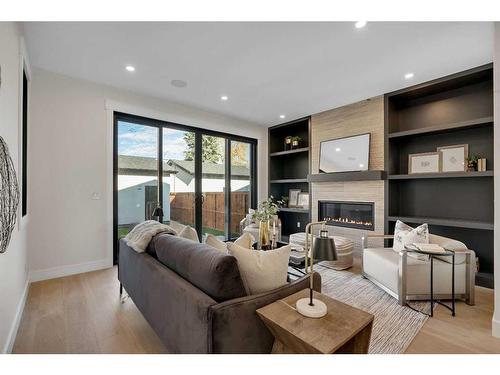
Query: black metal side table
[(447, 253)]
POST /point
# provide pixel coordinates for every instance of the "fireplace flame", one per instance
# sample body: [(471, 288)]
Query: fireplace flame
[(347, 220)]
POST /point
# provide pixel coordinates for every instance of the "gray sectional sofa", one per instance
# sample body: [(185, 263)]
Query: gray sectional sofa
[(194, 298)]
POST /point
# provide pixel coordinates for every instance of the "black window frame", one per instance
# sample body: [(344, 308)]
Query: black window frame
[(160, 125), (24, 150)]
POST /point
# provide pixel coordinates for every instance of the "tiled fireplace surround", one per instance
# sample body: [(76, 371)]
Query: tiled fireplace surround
[(358, 118)]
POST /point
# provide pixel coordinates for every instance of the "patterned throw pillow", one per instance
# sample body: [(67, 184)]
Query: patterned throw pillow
[(406, 235)]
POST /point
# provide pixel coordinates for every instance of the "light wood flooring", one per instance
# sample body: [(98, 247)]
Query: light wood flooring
[(83, 314)]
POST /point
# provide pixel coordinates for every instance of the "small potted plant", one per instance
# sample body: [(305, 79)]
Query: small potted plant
[(472, 163), (295, 141), (285, 201)]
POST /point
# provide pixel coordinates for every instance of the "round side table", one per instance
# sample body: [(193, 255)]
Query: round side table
[(447, 253)]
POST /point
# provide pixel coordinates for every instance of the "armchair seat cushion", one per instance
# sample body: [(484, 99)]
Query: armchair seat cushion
[(382, 264)]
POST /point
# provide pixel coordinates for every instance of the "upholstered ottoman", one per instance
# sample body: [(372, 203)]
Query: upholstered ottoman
[(343, 245)]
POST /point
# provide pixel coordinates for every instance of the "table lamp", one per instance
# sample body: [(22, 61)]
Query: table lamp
[(323, 249)]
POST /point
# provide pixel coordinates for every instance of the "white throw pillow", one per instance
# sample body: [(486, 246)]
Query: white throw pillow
[(406, 235), (246, 240), (217, 244), (189, 233), (261, 270)]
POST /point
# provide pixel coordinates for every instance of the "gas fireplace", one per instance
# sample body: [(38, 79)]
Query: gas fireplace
[(359, 215)]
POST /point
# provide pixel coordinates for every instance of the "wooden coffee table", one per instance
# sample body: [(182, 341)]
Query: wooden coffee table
[(345, 329)]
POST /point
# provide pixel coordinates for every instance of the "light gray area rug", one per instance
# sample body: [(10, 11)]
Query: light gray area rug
[(394, 326)]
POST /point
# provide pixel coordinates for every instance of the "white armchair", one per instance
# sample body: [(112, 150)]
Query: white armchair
[(407, 278)]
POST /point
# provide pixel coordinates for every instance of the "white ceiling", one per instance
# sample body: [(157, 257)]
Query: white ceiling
[(266, 69)]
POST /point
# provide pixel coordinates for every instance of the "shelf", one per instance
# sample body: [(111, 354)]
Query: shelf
[(444, 128), (295, 210), (288, 152), (347, 176), (289, 181), (440, 175), (459, 223)]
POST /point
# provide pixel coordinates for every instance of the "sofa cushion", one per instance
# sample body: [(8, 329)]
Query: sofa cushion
[(189, 233), (215, 273), (262, 270), (246, 240), (214, 242)]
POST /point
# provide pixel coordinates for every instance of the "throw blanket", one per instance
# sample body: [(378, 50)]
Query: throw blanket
[(140, 237)]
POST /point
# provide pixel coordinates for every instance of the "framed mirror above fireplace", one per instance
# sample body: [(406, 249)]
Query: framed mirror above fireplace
[(358, 215)]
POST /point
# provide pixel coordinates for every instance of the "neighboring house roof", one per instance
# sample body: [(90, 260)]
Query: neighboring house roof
[(146, 166), (210, 169), (140, 165)]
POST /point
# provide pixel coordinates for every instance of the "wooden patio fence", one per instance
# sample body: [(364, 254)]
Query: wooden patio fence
[(182, 209)]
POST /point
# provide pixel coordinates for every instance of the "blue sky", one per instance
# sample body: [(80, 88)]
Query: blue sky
[(139, 140)]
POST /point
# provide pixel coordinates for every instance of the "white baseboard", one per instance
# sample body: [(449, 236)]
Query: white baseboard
[(11, 339), (495, 324), (72, 269)]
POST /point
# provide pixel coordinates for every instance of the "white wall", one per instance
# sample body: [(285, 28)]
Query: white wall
[(496, 88), (13, 268), (71, 158)]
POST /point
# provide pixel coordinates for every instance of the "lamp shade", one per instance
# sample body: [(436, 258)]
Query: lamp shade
[(324, 247), (158, 212)]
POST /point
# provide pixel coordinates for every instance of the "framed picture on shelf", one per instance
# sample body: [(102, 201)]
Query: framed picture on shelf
[(293, 197), (303, 200), (427, 162), (454, 158)]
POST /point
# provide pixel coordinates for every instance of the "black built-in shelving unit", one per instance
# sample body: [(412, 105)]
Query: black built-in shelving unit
[(289, 169), (456, 109)]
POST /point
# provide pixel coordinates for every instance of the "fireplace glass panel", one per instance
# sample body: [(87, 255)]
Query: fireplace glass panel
[(347, 214)]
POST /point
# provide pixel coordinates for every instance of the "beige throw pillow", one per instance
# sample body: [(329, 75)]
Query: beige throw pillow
[(406, 235), (246, 240), (189, 233), (261, 270), (213, 241)]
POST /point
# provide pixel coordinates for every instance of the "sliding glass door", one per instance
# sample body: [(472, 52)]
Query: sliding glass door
[(207, 178), (179, 178), (136, 164)]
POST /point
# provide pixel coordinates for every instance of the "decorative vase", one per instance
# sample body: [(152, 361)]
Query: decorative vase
[(288, 143), (295, 144), (264, 242)]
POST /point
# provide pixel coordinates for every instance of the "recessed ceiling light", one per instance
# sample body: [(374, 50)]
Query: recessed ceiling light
[(409, 75), (360, 24), (361, 165), (178, 83), (337, 149), (224, 98), (130, 68), (282, 116)]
